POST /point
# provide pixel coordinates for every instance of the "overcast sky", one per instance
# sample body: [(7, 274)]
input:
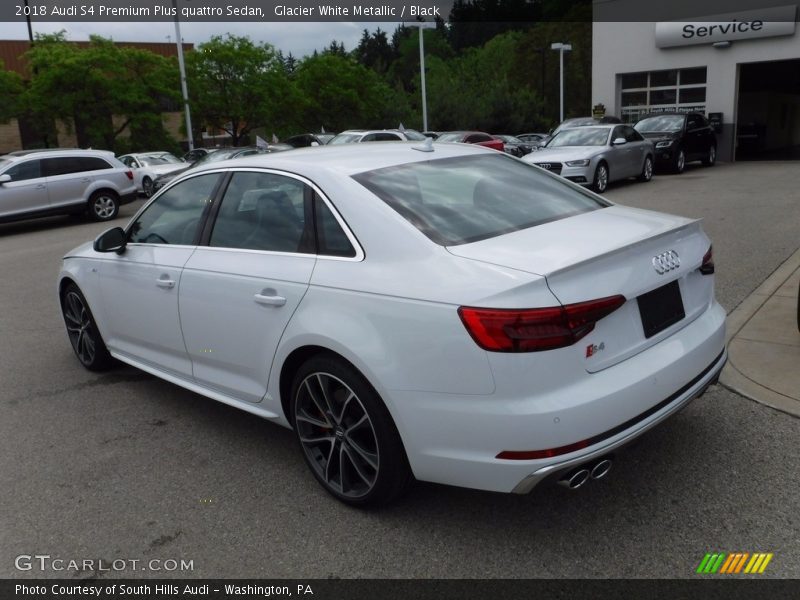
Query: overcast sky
[(298, 38)]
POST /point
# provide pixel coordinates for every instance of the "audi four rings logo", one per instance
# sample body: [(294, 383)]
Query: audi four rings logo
[(666, 261), (545, 165)]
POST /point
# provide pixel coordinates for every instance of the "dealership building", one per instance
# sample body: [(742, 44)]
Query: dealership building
[(735, 61)]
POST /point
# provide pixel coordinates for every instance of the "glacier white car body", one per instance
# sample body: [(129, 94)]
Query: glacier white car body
[(233, 324)]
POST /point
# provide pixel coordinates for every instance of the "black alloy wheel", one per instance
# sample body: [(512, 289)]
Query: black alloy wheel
[(347, 435), (82, 331)]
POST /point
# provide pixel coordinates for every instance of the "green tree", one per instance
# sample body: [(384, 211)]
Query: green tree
[(10, 92), (338, 93), (104, 89), (237, 85)]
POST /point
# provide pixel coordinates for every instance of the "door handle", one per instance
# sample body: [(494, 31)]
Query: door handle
[(270, 298), (165, 283), (41, 186)]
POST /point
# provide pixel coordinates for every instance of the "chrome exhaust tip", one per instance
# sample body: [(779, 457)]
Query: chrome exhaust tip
[(575, 479), (601, 469)]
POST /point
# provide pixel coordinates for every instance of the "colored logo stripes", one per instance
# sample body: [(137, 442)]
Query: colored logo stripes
[(734, 563)]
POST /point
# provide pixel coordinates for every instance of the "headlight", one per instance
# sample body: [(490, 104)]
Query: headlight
[(578, 163), (664, 144)]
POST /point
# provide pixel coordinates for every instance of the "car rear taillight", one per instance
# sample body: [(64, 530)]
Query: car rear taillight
[(129, 174), (707, 268), (535, 329)]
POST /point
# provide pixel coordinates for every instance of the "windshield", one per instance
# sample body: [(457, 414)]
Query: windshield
[(510, 139), (570, 123), (469, 198), (660, 123), (154, 160), (580, 136), (166, 157), (324, 138), (345, 138)]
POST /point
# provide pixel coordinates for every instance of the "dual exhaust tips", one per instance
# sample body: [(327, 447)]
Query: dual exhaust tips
[(578, 477)]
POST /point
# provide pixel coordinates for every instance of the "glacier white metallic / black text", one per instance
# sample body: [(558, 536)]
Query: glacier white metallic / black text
[(441, 312)]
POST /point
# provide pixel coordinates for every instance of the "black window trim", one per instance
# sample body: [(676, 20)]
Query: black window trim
[(204, 217)]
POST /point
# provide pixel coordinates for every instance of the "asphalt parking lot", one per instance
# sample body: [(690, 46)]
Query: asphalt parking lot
[(126, 466)]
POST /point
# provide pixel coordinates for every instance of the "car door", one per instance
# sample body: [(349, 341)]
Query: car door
[(140, 286), (695, 137), (637, 149), (27, 190), (618, 156), (239, 291), (66, 180)]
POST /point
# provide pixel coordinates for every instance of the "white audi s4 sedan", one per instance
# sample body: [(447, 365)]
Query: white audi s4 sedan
[(440, 312)]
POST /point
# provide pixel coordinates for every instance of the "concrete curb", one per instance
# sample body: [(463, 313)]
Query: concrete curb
[(749, 371)]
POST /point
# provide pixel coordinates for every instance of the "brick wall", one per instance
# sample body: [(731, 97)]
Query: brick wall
[(9, 137)]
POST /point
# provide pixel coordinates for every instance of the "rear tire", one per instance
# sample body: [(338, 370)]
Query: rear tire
[(711, 158), (147, 187), (600, 183), (647, 169), (104, 205), (346, 434), (82, 331)]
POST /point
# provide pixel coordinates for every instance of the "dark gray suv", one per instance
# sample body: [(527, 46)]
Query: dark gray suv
[(39, 183)]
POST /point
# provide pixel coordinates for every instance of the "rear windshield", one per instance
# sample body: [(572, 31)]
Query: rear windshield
[(470, 198)]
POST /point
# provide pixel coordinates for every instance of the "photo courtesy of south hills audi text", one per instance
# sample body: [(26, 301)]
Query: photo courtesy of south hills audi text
[(122, 590)]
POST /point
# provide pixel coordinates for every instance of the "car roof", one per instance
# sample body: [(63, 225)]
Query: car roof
[(51, 152), (669, 113), (347, 159)]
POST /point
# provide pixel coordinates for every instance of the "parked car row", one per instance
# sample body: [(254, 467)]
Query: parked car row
[(594, 154)]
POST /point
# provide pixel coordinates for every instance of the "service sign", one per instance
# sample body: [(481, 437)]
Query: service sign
[(744, 25)]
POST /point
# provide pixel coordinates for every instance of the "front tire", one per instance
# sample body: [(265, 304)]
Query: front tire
[(347, 435), (600, 183), (647, 169), (82, 331), (680, 161), (104, 205)]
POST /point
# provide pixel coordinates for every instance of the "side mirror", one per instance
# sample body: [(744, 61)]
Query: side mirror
[(112, 240), (4, 179), (619, 141), (314, 144)]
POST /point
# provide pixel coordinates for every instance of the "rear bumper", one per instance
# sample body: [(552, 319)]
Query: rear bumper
[(455, 439), (663, 410)]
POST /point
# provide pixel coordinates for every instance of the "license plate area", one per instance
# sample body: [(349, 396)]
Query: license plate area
[(661, 308)]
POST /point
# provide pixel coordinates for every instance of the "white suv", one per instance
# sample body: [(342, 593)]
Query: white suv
[(38, 183)]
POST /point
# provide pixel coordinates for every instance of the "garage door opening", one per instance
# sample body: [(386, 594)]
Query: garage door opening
[(768, 116)]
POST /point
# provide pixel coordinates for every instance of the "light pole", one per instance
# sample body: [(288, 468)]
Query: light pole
[(423, 25), (561, 47), (182, 67)]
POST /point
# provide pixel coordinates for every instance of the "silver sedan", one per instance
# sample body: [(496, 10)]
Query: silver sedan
[(597, 155)]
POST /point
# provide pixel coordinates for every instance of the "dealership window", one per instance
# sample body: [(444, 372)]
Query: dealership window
[(666, 90)]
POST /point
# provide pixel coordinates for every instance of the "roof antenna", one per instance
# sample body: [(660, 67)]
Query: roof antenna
[(426, 146)]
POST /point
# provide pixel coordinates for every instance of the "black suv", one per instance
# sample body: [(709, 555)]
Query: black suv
[(679, 138)]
